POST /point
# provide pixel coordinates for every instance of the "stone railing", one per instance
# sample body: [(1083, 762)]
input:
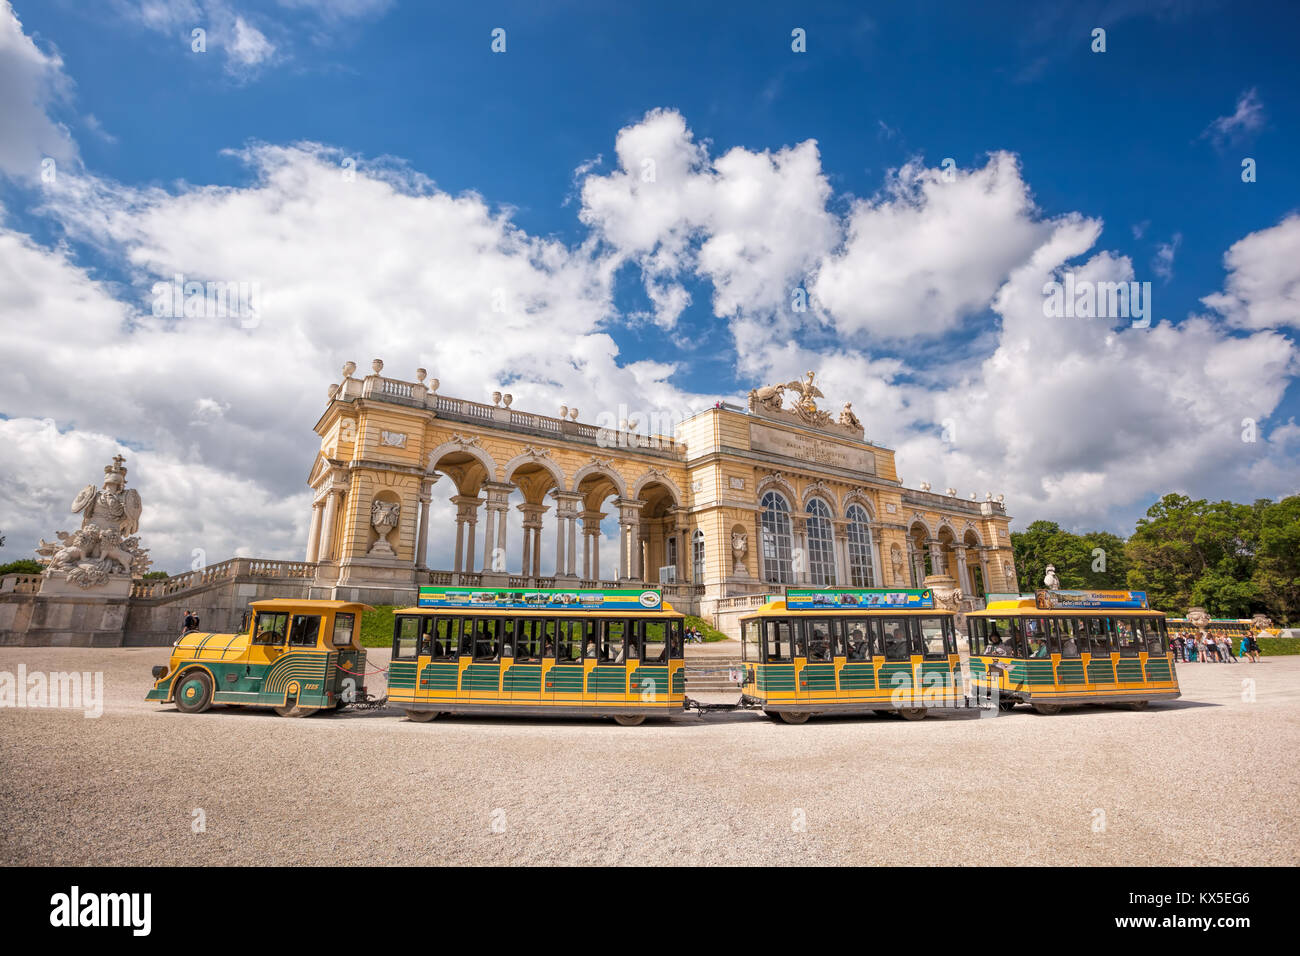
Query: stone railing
[(742, 601), (20, 584), (424, 395), (940, 502), (234, 568)]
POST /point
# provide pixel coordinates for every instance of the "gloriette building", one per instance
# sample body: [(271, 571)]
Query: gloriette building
[(735, 504)]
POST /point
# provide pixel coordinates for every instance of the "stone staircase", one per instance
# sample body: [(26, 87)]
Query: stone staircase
[(708, 667)]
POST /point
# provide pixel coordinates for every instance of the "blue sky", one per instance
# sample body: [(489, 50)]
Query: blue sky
[(1144, 141)]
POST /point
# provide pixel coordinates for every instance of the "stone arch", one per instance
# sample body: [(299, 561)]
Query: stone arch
[(776, 482), (823, 494), (855, 497), (591, 469), (461, 468), (528, 460), (652, 478)]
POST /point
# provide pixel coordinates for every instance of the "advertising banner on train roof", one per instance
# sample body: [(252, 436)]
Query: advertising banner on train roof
[(808, 599), (554, 599), (1090, 600)]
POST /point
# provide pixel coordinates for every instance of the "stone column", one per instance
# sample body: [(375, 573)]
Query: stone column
[(494, 534), (629, 524), (466, 518), (422, 536), (327, 529), (799, 525), (937, 563), (567, 504), (841, 531), (532, 541), (963, 578), (591, 544), (313, 536)]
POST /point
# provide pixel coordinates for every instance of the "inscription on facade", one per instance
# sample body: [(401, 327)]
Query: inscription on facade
[(806, 448)]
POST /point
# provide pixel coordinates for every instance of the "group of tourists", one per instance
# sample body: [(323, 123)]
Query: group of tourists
[(1193, 646), (694, 635)]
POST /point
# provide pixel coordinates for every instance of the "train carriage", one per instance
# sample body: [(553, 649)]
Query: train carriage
[(851, 650), (551, 652), (298, 657), (1071, 647)]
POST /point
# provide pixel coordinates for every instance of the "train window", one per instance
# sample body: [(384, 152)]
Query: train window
[(1069, 636), (270, 628), (528, 641), (1000, 635), (632, 641), (897, 645), (506, 629), (305, 630), (569, 641), (1131, 636), (405, 632), (1098, 633), (1157, 637), (750, 642), (441, 639), (778, 642), (859, 639), (932, 642), (1038, 636), (485, 643), (654, 649), (819, 640), (343, 626), (612, 634)]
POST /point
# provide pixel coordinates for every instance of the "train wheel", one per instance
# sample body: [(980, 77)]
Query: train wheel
[(800, 717), (292, 709), (1006, 706), (629, 720), (421, 716), (912, 713), (1138, 704), (194, 693), (1047, 710)]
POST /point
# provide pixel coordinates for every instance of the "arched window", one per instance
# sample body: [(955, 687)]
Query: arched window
[(862, 569), (776, 539), (821, 544), (697, 557)]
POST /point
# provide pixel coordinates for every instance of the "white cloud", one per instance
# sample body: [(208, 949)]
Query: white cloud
[(33, 82), (1071, 418), (1246, 119), (1263, 285), (250, 47), (1163, 263), (927, 253)]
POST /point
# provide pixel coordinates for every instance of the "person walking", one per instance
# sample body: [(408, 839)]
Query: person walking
[(1225, 649), (1254, 649)]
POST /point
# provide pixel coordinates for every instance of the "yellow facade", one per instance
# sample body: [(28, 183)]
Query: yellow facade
[(837, 513)]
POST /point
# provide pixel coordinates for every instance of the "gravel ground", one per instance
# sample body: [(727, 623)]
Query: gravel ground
[(1208, 779)]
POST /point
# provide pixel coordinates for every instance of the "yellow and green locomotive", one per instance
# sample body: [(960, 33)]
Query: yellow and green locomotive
[(298, 657)]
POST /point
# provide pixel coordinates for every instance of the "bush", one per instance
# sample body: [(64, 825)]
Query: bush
[(377, 626), (1277, 646), (25, 566)]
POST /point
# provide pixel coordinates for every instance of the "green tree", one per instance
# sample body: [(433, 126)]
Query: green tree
[(1277, 558), (1094, 560), (24, 566), (1186, 553)]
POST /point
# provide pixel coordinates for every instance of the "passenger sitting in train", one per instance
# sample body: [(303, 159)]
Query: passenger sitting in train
[(1038, 649), (859, 649), (998, 646)]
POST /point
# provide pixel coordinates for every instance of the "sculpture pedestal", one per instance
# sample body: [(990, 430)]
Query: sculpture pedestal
[(56, 584)]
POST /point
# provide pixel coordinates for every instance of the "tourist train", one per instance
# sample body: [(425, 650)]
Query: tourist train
[(620, 653)]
